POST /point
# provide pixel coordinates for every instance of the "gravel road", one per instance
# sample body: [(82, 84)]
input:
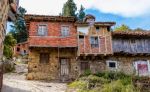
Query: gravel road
[(14, 82)]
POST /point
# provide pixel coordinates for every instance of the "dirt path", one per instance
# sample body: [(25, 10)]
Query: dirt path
[(17, 83)]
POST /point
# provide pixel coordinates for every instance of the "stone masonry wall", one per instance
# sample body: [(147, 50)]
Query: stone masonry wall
[(124, 63), (51, 70)]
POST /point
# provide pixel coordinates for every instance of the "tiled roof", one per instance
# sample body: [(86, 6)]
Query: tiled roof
[(131, 34), (34, 17), (96, 23)]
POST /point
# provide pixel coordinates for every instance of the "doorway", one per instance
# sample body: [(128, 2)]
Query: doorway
[(64, 69)]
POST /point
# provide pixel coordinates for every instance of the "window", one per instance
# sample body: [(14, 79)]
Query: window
[(84, 66), (81, 39), (112, 64), (97, 29), (25, 51), (18, 49), (65, 31), (94, 42), (44, 58), (108, 28), (42, 30)]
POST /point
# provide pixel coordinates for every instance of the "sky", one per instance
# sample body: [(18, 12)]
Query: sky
[(133, 13)]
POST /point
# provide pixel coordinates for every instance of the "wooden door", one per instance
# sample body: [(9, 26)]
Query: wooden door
[(142, 67), (64, 69)]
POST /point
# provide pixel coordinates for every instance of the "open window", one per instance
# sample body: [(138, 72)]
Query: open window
[(81, 38), (108, 28), (94, 42), (97, 28)]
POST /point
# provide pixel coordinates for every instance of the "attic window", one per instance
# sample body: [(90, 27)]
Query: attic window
[(97, 29)]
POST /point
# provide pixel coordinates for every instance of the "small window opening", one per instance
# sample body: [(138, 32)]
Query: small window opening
[(112, 64), (18, 49), (97, 29)]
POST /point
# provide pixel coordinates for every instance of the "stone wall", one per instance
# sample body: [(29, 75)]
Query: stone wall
[(124, 63), (51, 70)]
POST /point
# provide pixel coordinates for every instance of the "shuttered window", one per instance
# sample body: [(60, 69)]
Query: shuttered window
[(44, 58), (84, 66)]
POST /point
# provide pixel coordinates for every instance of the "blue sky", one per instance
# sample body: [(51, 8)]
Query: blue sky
[(133, 13), (133, 22)]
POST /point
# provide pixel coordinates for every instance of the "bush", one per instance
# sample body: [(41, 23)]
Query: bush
[(87, 72), (117, 86), (105, 82), (80, 85)]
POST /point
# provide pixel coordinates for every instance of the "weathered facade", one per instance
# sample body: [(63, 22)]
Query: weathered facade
[(62, 48), (132, 49), (8, 9), (53, 45), (94, 43), (21, 49)]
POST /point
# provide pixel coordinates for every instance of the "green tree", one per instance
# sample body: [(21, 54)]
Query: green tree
[(139, 29), (81, 14), (69, 8), (122, 28), (9, 43), (19, 30)]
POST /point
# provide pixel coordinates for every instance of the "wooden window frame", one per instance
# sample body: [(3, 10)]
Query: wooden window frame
[(85, 66), (46, 31), (43, 58), (135, 64), (94, 44), (68, 33)]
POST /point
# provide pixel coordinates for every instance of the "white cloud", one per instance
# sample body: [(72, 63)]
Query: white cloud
[(127, 8)]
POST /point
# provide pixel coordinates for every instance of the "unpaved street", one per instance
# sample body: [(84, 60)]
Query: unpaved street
[(13, 82)]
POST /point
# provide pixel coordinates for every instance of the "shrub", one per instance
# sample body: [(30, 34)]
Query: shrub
[(81, 86), (117, 86), (87, 72)]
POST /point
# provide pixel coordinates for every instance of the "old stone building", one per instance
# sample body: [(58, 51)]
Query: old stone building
[(53, 46), (21, 49), (131, 52), (94, 44), (8, 10), (62, 48)]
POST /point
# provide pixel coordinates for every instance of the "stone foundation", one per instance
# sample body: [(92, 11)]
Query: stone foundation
[(51, 70)]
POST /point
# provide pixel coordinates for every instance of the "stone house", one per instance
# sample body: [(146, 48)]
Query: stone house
[(94, 44), (131, 52), (52, 47), (8, 10), (21, 49), (62, 48)]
